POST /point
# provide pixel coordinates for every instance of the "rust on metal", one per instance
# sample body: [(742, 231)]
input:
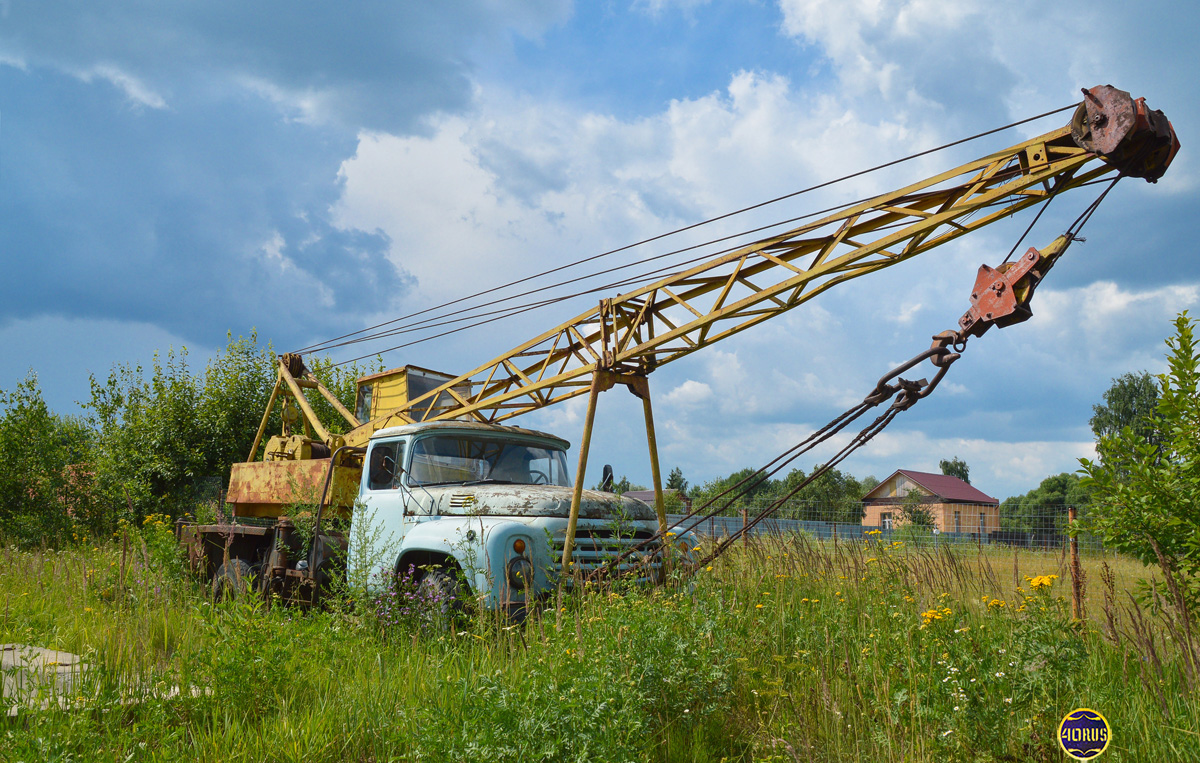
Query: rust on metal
[(263, 488), (1001, 295), (208, 546), (994, 298), (1135, 139)]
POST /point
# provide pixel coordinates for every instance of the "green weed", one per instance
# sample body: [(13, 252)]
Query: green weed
[(783, 650)]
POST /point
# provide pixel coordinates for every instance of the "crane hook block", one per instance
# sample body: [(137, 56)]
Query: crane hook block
[(1001, 295), (1138, 141)]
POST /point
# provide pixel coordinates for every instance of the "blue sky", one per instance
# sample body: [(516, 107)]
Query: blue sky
[(170, 173)]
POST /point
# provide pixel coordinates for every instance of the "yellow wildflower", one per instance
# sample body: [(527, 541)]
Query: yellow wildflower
[(1041, 581)]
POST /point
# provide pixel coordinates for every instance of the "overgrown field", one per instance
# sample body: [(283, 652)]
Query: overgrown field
[(782, 651)]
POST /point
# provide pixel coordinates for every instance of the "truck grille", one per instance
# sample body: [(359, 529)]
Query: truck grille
[(594, 546)]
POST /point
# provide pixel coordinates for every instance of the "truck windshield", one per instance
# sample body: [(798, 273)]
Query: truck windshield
[(460, 458)]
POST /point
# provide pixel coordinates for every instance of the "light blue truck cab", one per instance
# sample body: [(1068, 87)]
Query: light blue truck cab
[(489, 505)]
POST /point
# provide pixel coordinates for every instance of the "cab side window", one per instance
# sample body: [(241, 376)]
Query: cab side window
[(385, 456)]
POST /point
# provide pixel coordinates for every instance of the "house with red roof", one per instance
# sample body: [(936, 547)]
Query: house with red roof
[(956, 507), (647, 496)]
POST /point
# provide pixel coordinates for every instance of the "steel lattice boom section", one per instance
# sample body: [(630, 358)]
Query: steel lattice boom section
[(679, 314)]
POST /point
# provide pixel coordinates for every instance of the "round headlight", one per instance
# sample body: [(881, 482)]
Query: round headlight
[(520, 573)]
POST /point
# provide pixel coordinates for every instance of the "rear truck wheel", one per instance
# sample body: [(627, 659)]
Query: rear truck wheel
[(234, 578)]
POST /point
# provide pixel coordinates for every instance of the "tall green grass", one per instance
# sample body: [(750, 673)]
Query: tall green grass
[(782, 651)]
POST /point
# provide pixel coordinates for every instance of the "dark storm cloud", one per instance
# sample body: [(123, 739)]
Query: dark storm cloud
[(175, 163), (207, 217), (380, 65)]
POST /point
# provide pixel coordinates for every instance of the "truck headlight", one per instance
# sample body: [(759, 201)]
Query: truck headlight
[(520, 573)]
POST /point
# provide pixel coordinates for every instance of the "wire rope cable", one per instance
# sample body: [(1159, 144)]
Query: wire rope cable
[(318, 346), (483, 318), (724, 500)]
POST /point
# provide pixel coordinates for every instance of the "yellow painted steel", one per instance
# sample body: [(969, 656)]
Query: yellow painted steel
[(262, 427), (310, 416), (679, 314), (268, 488), (660, 508), (624, 339), (332, 400)]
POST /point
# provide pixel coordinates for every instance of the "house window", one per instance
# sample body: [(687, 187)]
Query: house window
[(982, 523), (885, 519), (958, 521)]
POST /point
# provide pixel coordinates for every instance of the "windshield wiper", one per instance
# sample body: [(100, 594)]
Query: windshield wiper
[(491, 480)]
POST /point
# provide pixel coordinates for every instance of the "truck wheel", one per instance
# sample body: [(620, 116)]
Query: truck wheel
[(440, 597), (233, 579)]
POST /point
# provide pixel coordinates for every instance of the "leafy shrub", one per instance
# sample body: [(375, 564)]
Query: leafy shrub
[(576, 714), (160, 437), (1146, 483), (45, 482), (250, 662)]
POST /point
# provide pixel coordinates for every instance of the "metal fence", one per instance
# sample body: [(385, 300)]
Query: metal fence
[(1031, 527)]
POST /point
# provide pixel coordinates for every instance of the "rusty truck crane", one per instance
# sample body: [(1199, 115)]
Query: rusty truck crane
[(466, 497)]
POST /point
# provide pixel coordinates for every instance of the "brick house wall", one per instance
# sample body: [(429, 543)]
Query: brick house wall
[(882, 506)]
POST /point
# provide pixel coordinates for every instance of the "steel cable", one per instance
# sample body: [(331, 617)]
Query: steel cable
[(705, 512), (322, 345), (497, 315)]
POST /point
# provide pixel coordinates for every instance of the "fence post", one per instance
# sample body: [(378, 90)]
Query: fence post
[(745, 533), (1076, 570), (1016, 569)]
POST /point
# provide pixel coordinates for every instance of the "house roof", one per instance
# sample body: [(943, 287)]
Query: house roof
[(648, 495), (950, 489)]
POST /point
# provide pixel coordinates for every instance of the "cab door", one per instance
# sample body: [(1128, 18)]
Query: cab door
[(385, 511)]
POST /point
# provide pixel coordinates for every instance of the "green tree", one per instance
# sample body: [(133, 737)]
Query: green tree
[(167, 438), (755, 491), (676, 482), (45, 480), (1044, 509), (778, 488), (1146, 494), (835, 496), (149, 449), (914, 513), (956, 467), (232, 397), (1131, 401), (623, 485), (1012, 515)]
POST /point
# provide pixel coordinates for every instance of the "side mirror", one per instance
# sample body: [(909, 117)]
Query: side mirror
[(607, 481)]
